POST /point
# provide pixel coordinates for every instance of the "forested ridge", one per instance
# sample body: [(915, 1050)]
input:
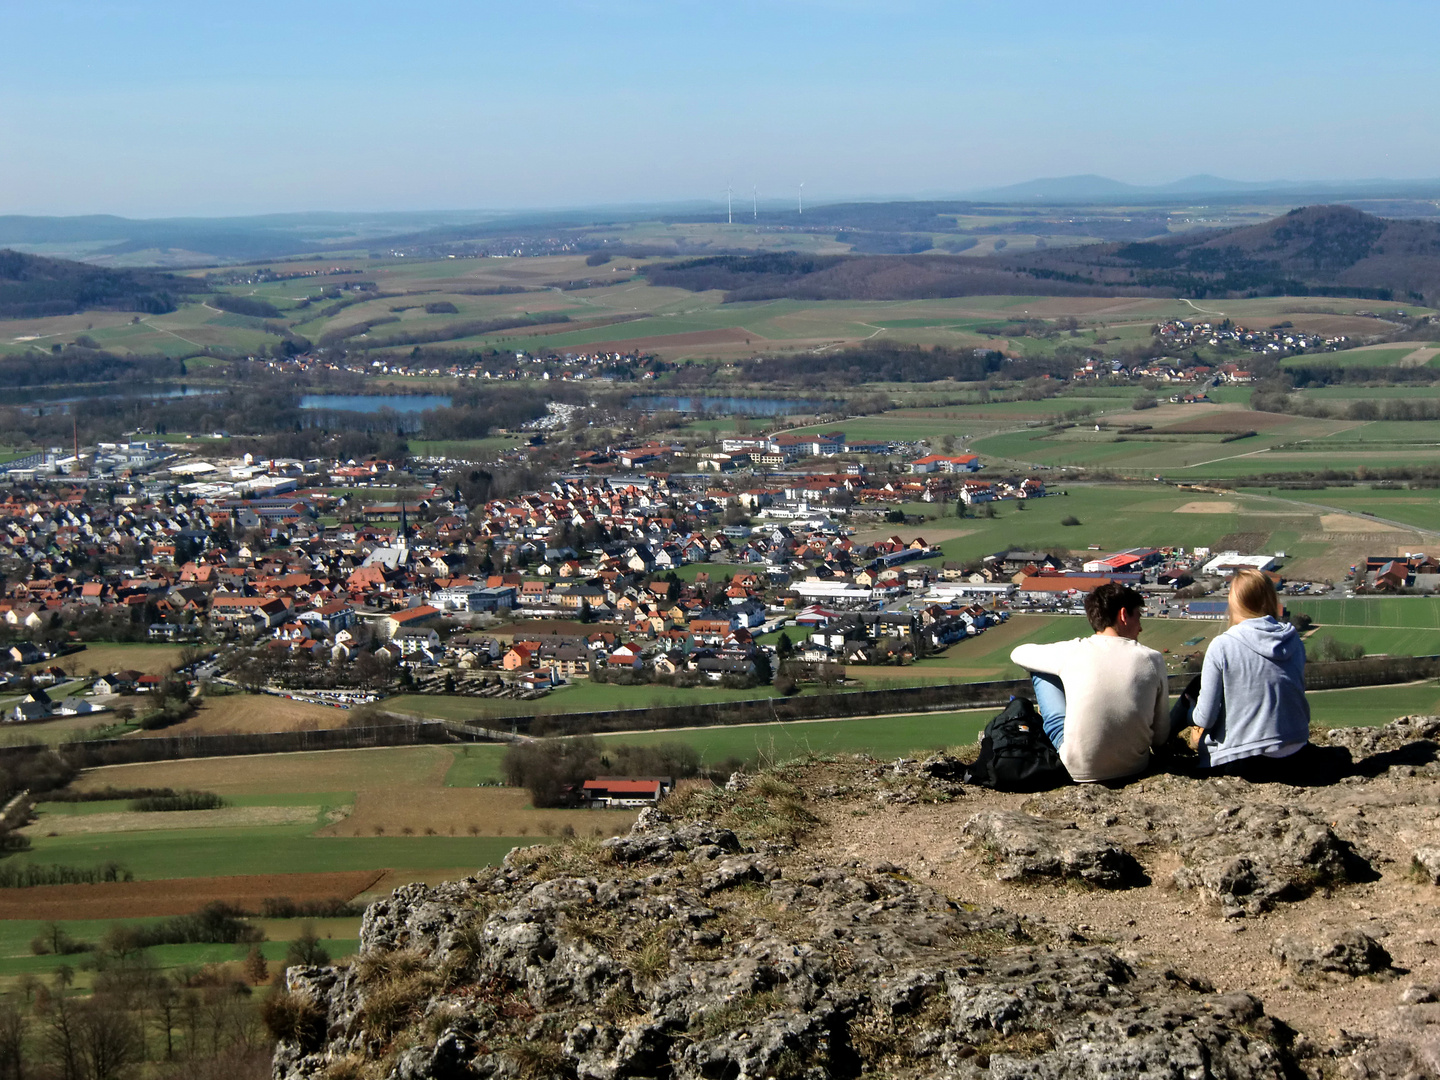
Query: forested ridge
[(1312, 251), (32, 286)]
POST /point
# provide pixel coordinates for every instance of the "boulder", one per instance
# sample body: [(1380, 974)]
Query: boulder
[(1427, 862), (1343, 952), (1025, 846)]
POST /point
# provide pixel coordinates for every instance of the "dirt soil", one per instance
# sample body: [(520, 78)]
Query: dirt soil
[(1157, 922), (233, 714), (271, 774), (1223, 422), (1219, 507), (138, 899), (1355, 524), (228, 817)]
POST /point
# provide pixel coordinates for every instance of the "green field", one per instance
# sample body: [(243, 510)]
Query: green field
[(1397, 612), (1419, 507), (1362, 358), (1112, 517), (285, 849), (339, 937), (1371, 705)]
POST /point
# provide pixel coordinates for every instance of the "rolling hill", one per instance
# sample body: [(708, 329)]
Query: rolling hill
[(32, 286), (1315, 250)]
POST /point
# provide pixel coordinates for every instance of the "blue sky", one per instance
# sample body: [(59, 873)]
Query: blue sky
[(155, 108)]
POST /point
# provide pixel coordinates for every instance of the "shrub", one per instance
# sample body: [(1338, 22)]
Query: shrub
[(545, 767), (1327, 649), (1069, 519), (332, 907), (55, 939), (183, 800), (216, 923), (24, 877), (294, 1018), (306, 949)]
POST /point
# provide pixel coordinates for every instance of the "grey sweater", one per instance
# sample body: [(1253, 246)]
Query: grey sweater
[(1252, 692)]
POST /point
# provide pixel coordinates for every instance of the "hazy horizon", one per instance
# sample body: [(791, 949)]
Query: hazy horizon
[(173, 111)]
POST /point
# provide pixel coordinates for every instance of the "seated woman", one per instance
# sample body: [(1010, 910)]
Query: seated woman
[(1251, 717)]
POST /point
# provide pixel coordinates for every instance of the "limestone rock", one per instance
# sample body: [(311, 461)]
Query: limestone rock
[(732, 963), (1026, 846), (1427, 861), (1345, 952)]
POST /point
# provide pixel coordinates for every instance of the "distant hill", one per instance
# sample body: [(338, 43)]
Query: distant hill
[(1089, 188), (1312, 250), (1316, 250), (32, 286)]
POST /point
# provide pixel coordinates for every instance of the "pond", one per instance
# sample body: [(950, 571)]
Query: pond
[(731, 406), (374, 403), (62, 397)]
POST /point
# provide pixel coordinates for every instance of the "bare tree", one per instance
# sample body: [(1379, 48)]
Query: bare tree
[(108, 1039), (13, 1025)]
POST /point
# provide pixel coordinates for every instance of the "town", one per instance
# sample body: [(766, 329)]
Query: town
[(767, 564)]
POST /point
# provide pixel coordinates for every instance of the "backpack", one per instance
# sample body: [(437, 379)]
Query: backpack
[(1016, 754)]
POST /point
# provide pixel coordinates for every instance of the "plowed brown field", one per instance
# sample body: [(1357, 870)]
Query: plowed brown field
[(137, 899), (231, 714)]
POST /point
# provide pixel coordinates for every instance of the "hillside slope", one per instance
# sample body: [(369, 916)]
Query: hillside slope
[(1316, 250), (32, 286)]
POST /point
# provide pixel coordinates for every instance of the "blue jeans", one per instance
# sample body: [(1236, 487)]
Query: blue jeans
[(1050, 703)]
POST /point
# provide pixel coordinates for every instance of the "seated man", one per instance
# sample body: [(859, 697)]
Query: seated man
[(1103, 698)]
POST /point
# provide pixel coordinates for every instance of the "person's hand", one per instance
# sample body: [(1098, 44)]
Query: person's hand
[(1191, 736)]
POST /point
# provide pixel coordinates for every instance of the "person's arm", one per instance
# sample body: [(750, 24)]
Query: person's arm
[(1043, 658), (1212, 687)]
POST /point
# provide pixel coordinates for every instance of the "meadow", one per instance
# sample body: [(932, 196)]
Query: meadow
[(676, 323), (1419, 507), (1113, 517)]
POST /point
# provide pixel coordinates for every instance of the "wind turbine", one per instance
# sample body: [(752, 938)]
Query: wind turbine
[(800, 197), (729, 217), (755, 202)]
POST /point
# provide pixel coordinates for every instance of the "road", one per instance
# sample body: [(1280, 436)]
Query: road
[(1343, 510), (1197, 307)]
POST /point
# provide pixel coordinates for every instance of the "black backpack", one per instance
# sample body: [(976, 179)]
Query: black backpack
[(1016, 754)]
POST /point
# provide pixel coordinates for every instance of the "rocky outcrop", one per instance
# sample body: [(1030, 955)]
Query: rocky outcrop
[(1340, 952), (712, 943), (1023, 846), (679, 951), (1244, 848)]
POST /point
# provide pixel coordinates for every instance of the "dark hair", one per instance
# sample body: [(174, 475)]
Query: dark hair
[(1105, 602)]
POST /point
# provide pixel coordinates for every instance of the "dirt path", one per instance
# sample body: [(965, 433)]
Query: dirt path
[(1197, 307)]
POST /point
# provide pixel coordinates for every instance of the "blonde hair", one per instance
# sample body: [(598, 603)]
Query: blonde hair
[(1252, 596)]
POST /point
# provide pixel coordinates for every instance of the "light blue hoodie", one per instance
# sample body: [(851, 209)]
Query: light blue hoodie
[(1252, 692)]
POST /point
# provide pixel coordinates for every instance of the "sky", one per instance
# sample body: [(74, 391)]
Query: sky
[(153, 108)]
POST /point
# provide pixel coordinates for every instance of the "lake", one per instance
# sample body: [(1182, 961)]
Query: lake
[(62, 397), (730, 406), (374, 403)]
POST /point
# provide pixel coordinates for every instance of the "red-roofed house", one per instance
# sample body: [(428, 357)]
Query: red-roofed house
[(414, 616)]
